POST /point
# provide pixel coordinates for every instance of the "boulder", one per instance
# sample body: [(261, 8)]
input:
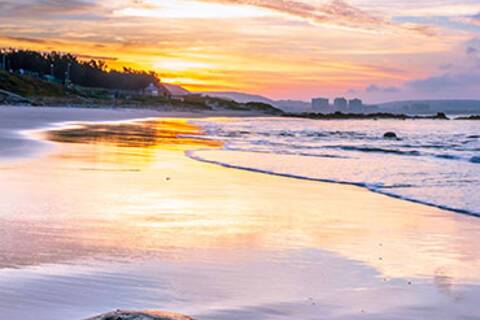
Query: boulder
[(140, 315), (441, 116), (390, 135)]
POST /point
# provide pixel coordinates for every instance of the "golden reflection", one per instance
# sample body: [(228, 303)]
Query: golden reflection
[(160, 134), (133, 145)]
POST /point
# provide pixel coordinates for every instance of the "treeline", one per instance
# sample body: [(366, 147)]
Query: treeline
[(65, 66)]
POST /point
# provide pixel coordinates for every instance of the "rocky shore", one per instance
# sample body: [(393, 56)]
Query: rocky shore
[(473, 117), (365, 116)]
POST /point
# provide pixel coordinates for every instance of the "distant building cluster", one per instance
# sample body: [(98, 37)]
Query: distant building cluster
[(340, 104)]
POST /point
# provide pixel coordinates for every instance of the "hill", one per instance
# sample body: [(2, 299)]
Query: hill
[(285, 105), (176, 90), (239, 97)]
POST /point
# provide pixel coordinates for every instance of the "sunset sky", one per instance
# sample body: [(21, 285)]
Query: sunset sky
[(375, 49)]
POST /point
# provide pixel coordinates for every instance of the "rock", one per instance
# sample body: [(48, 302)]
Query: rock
[(390, 135), (475, 160), (140, 315), (441, 116)]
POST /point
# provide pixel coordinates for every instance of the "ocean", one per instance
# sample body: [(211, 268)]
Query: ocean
[(431, 162)]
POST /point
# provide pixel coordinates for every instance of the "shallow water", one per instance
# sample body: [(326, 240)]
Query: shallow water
[(104, 223), (433, 162)]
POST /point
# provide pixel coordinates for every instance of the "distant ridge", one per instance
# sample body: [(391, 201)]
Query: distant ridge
[(240, 97), (175, 89), (452, 106), (427, 106)]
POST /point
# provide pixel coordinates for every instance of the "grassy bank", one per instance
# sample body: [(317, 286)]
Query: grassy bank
[(29, 86)]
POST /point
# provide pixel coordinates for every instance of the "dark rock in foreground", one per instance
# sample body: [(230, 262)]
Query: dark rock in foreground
[(390, 135), (140, 315)]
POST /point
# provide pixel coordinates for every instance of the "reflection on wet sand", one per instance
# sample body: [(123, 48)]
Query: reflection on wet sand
[(121, 196), (162, 134), (128, 142)]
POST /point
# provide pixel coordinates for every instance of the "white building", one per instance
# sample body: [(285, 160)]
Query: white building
[(156, 90), (151, 90)]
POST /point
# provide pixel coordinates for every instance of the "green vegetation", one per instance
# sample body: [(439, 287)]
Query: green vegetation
[(65, 67), (29, 86), (259, 106)]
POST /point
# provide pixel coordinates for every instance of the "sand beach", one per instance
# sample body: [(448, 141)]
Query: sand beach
[(111, 216)]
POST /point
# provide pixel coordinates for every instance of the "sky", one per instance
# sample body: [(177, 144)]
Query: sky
[(378, 50)]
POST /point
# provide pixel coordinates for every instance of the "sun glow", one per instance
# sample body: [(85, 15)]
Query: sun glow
[(180, 65)]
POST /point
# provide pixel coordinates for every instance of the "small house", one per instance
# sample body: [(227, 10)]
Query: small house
[(156, 90)]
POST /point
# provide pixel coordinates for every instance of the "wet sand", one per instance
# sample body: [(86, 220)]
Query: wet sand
[(15, 120), (96, 225)]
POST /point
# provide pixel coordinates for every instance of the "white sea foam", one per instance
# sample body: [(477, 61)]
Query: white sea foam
[(432, 162)]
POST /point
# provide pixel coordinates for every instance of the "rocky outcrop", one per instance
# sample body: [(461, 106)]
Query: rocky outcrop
[(140, 315)]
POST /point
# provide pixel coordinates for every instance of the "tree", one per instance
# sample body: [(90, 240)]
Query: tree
[(93, 73)]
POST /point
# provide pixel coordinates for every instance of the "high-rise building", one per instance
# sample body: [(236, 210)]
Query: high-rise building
[(320, 104), (340, 104), (355, 105)]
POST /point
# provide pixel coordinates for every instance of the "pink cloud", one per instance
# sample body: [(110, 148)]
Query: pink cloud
[(335, 12)]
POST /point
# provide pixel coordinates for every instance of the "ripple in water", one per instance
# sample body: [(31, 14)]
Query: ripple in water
[(432, 162)]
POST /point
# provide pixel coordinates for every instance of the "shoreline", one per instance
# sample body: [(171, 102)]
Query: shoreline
[(192, 155)]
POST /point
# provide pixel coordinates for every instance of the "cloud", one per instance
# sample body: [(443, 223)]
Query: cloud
[(62, 6), (351, 91), (42, 8), (465, 21), (20, 41), (473, 47), (335, 12), (95, 57), (373, 88), (25, 40), (471, 50), (445, 82), (446, 66), (475, 20)]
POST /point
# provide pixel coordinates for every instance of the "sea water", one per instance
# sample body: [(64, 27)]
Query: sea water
[(431, 161)]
